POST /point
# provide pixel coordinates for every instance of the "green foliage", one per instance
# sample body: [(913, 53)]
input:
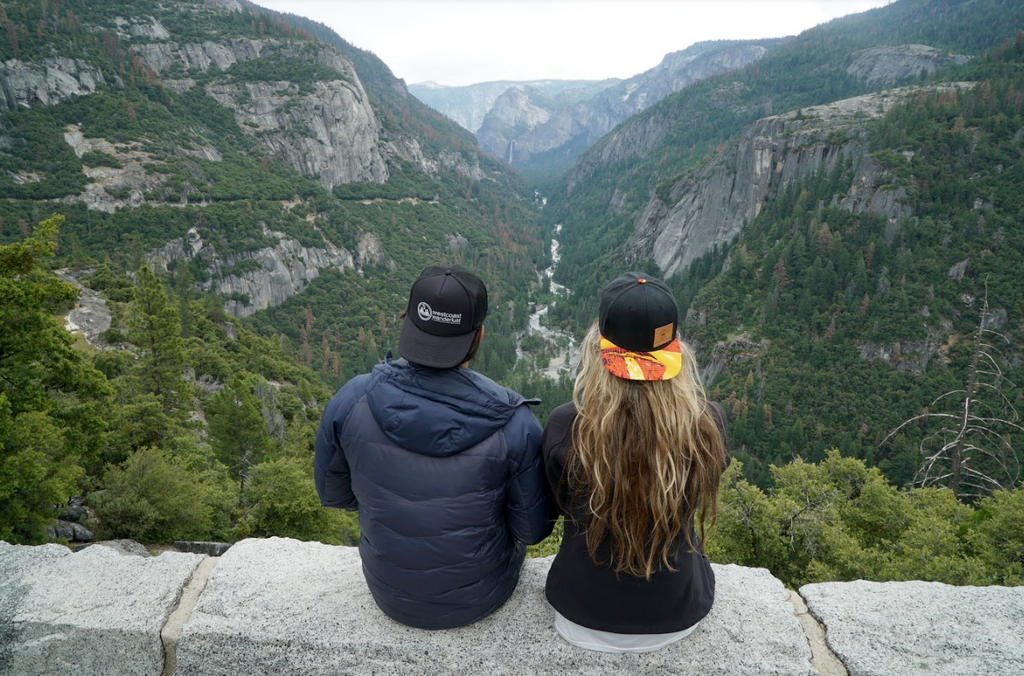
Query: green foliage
[(46, 165), (46, 390), (244, 266), (895, 163), (683, 130), (154, 325), (548, 546), (279, 68), (999, 534), (247, 415), (238, 432), (37, 471), (154, 497), (95, 158), (840, 520), (816, 288), (282, 501)]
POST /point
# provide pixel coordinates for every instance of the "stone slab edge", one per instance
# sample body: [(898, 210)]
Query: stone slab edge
[(273, 605), (58, 623), (822, 657), (171, 632)]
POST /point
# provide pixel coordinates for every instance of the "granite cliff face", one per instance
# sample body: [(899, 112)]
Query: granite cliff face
[(284, 270), (570, 129), (24, 84), (890, 65), (515, 113), (711, 205), (330, 132), (469, 105), (200, 108)]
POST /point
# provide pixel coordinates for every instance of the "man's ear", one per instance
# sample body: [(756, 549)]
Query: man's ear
[(481, 338)]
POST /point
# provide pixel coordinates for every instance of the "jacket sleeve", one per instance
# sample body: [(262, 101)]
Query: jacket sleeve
[(529, 510), (330, 468)]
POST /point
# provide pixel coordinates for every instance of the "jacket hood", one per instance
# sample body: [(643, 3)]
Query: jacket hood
[(437, 412)]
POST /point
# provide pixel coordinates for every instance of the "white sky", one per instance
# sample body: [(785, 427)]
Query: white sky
[(461, 42)]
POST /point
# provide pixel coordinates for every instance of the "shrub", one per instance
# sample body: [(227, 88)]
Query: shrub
[(152, 498)]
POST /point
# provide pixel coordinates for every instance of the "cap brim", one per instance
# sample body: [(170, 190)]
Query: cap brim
[(440, 352), (660, 364)]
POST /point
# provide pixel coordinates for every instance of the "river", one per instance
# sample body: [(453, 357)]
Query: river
[(563, 347)]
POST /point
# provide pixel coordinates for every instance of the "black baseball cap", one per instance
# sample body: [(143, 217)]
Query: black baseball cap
[(447, 305), (638, 323)]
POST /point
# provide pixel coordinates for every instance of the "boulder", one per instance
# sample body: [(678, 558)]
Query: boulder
[(124, 547), (208, 548), (68, 530)]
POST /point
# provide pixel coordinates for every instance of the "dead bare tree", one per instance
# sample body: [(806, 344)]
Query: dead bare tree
[(971, 452)]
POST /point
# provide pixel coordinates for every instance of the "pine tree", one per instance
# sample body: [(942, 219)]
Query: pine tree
[(155, 327), (238, 431)]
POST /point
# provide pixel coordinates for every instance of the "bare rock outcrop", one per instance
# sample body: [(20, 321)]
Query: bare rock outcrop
[(910, 356), (284, 269), (889, 65), (331, 133), (723, 354), (514, 113), (24, 84), (90, 316), (111, 188), (328, 130), (710, 206)]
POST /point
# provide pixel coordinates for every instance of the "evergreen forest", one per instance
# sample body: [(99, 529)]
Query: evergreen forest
[(849, 347)]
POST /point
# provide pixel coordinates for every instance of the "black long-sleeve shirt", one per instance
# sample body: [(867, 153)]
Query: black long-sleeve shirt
[(593, 595)]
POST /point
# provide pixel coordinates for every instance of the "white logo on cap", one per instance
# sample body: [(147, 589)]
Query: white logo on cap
[(424, 311)]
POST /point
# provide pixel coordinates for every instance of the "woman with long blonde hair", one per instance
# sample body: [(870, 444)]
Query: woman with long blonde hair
[(635, 461)]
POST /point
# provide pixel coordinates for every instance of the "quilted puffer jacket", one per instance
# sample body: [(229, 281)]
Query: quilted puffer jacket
[(444, 468)]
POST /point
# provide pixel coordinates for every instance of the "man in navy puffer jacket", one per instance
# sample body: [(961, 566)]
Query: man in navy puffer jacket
[(442, 463)]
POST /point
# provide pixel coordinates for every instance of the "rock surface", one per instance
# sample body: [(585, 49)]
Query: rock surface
[(95, 612), (286, 607), (514, 113), (889, 65), (329, 131), (907, 628), (282, 607), (284, 269), (24, 84), (468, 105), (202, 547), (910, 355), (90, 316), (522, 127), (710, 206)]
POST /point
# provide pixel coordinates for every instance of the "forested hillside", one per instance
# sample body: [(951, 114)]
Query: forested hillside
[(848, 301), (251, 202), (245, 199)]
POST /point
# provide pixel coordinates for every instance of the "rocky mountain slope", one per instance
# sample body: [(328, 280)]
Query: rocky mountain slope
[(710, 207), (834, 246), (239, 201), (469, 105), (514, 131), (153, 113)]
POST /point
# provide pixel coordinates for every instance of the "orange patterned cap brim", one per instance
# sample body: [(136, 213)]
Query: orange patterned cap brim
[(658, 365)]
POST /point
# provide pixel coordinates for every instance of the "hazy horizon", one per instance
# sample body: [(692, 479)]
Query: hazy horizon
[(457, 42)]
